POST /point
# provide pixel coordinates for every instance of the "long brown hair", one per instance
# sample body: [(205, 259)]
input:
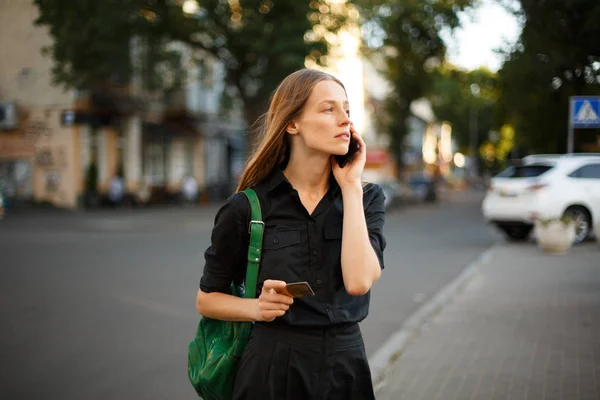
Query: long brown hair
[(286, 105)]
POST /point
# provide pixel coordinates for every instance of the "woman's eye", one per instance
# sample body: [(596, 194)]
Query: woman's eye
[(329, 109), (347, 112)]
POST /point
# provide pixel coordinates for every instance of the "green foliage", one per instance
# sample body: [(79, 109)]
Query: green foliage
[(91, 178), (406, 35), (557, 56), (566, 220), (92, 47), (90, 39), (259, 41), (453, 101), (120, 170)]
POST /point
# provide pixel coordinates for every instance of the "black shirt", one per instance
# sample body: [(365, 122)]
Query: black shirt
[(296, 247)]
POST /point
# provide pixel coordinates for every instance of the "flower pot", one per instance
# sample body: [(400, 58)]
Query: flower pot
[(555, 236)]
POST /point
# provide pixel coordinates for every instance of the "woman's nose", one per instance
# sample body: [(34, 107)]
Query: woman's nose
[(345, 119)]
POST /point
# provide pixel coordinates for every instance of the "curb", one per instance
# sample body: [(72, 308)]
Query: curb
[(392, 348)]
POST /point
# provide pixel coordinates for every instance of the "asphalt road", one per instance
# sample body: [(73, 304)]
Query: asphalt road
[(101, 305)]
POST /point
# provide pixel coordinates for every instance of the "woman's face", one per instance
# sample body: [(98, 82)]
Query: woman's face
[(324, 124)]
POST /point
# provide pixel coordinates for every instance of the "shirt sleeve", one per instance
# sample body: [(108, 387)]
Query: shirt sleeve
[(227, 255), (375, 217)]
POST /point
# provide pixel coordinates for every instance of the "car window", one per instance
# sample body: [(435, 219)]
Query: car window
[(525, 171), (590, 171), (506, 173), (418, 180)]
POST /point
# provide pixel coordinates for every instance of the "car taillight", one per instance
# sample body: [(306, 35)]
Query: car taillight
[(536, 187)]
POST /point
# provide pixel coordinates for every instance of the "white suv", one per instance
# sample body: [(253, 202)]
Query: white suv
[(543, 187)]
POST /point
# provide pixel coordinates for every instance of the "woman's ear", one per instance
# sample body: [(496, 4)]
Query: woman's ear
[(292, 128)]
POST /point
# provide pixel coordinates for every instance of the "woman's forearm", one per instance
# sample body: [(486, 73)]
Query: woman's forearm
[(360, 265), (226, 307)]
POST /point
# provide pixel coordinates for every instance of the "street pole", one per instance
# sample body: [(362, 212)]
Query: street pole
[(473, 139), (571, 134), (475, 91)]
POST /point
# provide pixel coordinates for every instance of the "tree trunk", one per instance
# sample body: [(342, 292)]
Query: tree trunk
[(398, 132)]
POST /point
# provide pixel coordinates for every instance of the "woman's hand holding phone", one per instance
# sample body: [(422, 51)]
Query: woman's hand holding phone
[(351, 174), (271, 303)]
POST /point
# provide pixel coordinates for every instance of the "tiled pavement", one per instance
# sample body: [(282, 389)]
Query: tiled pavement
[(526, 327)]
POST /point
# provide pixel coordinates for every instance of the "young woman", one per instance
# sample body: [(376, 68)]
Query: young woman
[(323, 226)]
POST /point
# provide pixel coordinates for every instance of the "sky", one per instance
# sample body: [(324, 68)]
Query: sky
[(482, 31)]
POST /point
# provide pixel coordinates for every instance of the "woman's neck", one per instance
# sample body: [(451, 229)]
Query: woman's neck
[(310, 177)]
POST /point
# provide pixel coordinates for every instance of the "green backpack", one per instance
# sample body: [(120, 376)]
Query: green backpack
[(214, 353)]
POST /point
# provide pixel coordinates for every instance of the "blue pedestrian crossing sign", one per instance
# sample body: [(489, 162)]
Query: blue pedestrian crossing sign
[(585, 112)]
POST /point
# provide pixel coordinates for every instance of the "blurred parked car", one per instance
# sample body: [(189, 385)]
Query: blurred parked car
[(545, 187), (418, 188), (423, 187)]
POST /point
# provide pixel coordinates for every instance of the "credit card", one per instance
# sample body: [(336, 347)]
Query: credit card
[(298, 289)]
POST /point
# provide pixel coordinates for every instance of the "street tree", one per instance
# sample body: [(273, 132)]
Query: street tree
[(406, 36), (557, 56), (467, 100), (91, 45), (259, 42)]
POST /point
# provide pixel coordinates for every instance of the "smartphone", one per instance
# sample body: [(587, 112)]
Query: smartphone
[(352, 150), (298, 289)]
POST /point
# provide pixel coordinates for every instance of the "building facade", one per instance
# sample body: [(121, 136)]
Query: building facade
[(57, 146), (38, 155)]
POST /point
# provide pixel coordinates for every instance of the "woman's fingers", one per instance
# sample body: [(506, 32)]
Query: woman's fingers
[(273, 304), (272, 291), (269, 310), (273, 284), (275, 301), (278, 298), (269, 316)]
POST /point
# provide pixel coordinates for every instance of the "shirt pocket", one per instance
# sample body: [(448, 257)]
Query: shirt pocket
[(333, 231), (279, 239), (282, 254)]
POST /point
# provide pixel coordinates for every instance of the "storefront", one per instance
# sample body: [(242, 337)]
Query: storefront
[(16, 168)]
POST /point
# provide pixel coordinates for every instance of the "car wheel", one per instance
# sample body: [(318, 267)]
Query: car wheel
[(583, 222), (516, 233)]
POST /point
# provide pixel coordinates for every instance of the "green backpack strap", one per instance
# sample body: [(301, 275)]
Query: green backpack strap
[(256, 229)]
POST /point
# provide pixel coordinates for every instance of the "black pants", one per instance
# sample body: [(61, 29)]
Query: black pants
[(286, 363)]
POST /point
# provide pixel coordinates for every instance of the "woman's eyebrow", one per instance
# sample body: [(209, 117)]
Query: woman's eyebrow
[(346, 103)]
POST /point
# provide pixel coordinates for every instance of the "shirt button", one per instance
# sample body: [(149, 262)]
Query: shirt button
[(315, 252), (275, 240), (311, 222)]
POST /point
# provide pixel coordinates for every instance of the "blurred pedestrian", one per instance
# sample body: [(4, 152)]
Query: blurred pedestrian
[(116, 191), (3, 200), (2, 210), (190, 190), (323, 226)]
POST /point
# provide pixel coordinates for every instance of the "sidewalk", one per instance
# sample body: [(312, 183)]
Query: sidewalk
[(527, 326)]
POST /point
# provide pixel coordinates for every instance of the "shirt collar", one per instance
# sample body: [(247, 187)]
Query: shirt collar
[(277, 178)]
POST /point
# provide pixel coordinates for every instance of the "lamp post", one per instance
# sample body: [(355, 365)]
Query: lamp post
[(475, 92)]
